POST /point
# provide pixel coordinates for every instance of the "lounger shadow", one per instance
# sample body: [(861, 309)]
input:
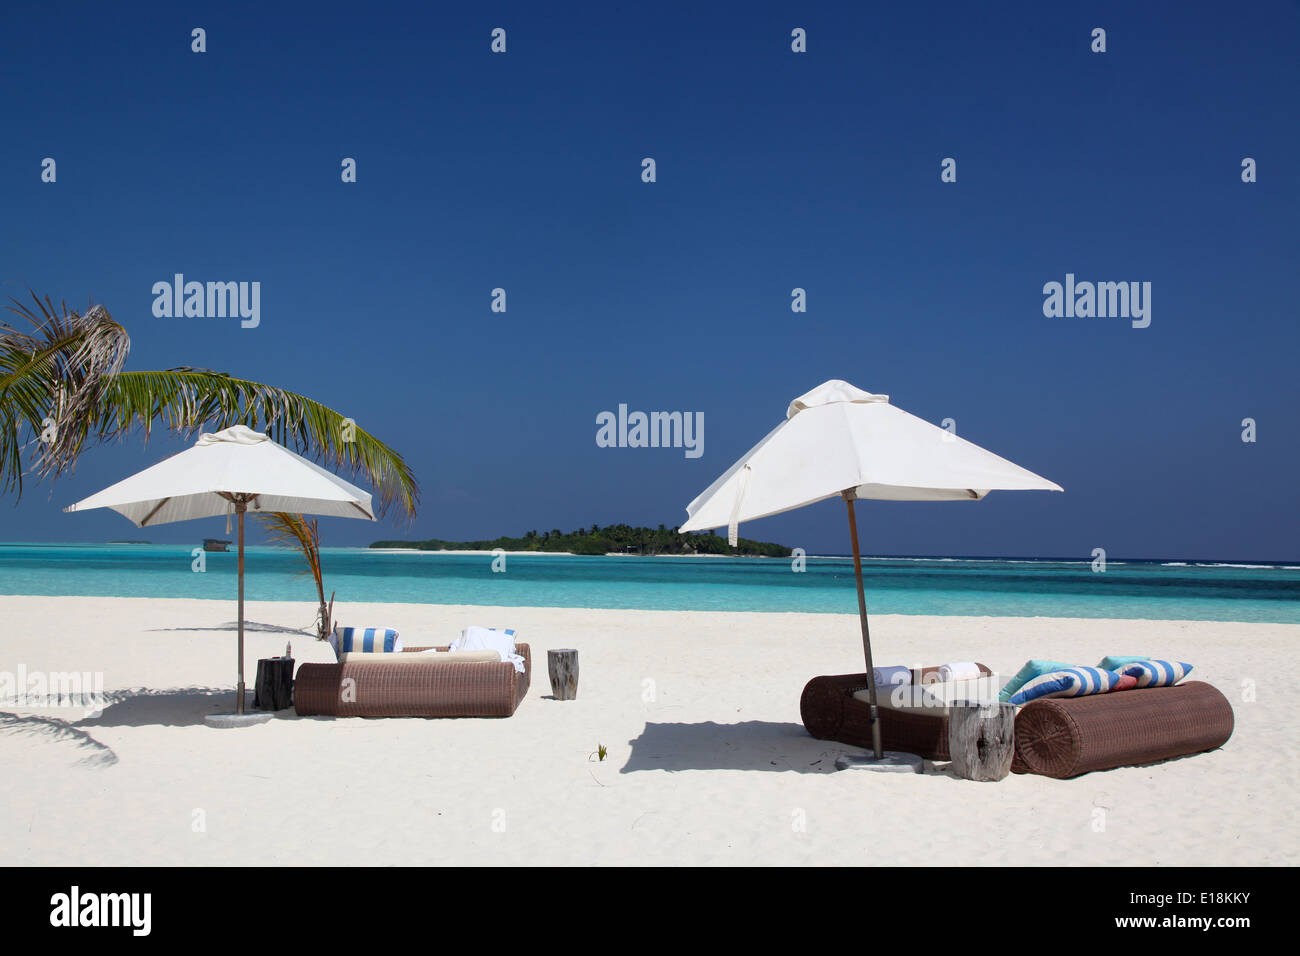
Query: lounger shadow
[(748, 745)]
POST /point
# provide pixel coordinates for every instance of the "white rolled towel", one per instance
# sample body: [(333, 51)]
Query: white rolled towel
[(960, 670), (891, 676), (490, 639)]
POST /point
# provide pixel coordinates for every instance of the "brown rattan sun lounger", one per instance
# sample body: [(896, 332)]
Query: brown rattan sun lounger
[(831, 712), (1055, 737), (435, 689)]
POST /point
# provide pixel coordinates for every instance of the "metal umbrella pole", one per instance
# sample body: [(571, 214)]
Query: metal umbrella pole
[(240, 501), (850, 496), (240, 508)]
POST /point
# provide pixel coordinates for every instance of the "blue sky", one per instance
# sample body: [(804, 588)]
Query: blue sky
[(775, 170)]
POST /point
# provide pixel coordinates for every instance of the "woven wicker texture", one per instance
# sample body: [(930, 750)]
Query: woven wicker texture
[(831, 712), (1065, 737), (403, 690)]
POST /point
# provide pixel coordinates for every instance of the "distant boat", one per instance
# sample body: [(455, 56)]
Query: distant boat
[(215, 544)]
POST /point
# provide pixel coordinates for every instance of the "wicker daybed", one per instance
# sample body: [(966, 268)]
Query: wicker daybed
[(1055, 737), (425, 687), (830, 711)]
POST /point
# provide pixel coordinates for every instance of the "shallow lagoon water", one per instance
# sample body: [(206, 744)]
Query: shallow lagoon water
[(987, 587)]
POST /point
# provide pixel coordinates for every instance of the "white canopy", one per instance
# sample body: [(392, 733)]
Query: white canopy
[(838, 440), (236, 461), (837, 437), (227, 473)]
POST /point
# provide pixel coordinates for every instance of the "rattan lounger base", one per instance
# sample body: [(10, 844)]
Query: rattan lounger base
[(443, 689), (831, 712), (1057, 737)]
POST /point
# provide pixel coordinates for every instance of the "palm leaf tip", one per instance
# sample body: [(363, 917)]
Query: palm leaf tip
[(67, 372), (53, 377), (187, 399)]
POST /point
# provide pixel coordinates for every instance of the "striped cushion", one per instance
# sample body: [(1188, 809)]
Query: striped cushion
[(367, 640), (1157, 673), (1070, 682), (1125, 683)]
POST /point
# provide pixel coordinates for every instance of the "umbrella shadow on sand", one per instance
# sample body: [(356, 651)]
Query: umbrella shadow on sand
[(748, 745), (249, 626), (176, 707)]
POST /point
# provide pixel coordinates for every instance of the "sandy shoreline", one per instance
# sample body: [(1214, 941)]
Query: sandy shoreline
[(708, 762)]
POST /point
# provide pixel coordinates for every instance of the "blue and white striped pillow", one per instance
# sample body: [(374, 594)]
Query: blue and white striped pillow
[(1069, 682), (1157, 673), (366, 640)]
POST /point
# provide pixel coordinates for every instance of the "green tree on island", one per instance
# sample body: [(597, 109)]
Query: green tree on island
[(617, 539)]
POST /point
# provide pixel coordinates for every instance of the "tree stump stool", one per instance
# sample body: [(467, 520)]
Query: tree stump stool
[(563, 667), (273, 689), (981, 739)]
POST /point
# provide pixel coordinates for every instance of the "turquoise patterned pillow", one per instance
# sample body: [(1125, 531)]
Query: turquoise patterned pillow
[(1032, 669), (1071, 682), (1117, 663)]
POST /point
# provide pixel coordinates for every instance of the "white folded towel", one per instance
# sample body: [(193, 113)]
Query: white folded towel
[(904, 697), (490, 639), (960, 670), (891, 676), (983, 690)]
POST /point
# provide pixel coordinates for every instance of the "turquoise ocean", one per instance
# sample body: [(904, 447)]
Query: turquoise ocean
[(1216, 591)]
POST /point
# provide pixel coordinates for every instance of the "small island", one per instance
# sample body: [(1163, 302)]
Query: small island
[(614, 539)]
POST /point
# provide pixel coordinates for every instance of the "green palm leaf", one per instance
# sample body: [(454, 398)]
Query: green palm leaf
[(62, 388), (186, 400), (296, 532), (58, 371)]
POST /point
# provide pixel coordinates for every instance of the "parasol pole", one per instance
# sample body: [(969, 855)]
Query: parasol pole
[(240, 507), (850, 496)]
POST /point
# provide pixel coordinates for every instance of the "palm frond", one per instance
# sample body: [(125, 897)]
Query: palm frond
[(186, 400), (292, 531), (62, 388), (296, 532), (58, 371)]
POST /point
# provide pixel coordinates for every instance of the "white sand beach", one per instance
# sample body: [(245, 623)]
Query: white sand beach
[(708, 762)]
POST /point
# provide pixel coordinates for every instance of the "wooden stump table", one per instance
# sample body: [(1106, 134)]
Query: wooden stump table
[(273, 689), (563, 667), (981, 739)]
